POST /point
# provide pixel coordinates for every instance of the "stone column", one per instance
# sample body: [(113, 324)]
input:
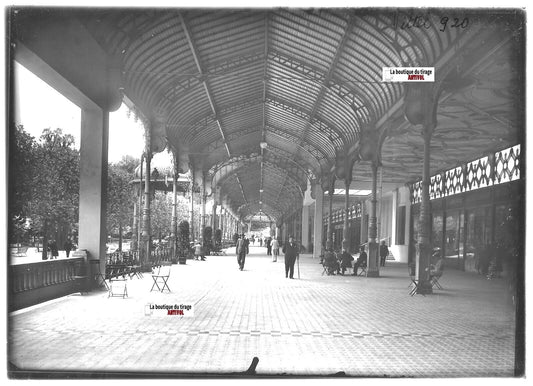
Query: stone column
[(373, 246), (318, 227), (420, 109), (174, 220), (214, 212), (222, 226), (139, 221), (394, 220), (345, 241), (135, 228), (191, 206), (329, 240), (202, 208), (423, 250), (145, 250), (93, 183), (305, 227), (364, 225)]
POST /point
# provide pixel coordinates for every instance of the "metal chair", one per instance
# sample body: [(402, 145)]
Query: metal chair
[(99, 277), (434, 279), (160, 276), (118, 288), (435, 273)]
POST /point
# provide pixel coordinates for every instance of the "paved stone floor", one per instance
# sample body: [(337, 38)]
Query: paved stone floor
[(314, 325)]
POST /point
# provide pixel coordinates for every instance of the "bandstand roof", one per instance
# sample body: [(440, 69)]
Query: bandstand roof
[(307, 84)]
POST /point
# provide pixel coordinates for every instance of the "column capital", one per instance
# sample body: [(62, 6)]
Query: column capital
[(158, 121), (344, 164)]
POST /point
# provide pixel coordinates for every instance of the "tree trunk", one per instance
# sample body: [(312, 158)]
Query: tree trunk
[(120, 235), (44, 254)]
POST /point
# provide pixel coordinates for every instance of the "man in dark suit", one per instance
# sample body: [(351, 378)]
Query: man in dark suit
[(361, 260), (242, 250), (291, 251), (383, 253)]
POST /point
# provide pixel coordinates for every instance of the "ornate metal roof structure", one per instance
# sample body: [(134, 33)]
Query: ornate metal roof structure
[(307, 85)]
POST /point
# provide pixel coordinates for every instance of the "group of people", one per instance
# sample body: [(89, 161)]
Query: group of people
[(290, 250), (53, 249), (291, 253), (340, 264)]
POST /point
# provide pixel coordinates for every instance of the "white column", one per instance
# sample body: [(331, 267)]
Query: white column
[(93, 183), (305, 227), (319, 227), (393, 217)]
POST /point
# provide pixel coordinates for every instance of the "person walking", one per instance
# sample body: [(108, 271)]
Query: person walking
[(68, 247), (383, 253), (241, 250), (268, 242), (198, 251), (275, 250), (52, 246), (291, 251)]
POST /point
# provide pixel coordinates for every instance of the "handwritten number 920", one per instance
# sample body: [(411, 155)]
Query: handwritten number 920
[(457, 23)]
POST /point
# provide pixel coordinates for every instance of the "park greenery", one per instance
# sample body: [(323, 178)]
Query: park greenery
[(43, 192), (43, 186)]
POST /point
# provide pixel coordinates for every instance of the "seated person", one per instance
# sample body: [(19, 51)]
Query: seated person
[(436, 270), (361, 260), (331, 263), (346, 260)]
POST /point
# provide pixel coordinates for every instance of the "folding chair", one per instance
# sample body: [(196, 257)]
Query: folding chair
[(436, 272), (99, 277), (414, 289), (328, 270), (118, 288), (363, 270), (160, 276), (136, 271), (435, 280)]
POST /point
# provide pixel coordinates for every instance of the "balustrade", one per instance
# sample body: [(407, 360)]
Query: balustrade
[(36, 282)]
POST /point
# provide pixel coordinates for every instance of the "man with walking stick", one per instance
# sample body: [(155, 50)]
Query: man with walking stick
[(291, 251)]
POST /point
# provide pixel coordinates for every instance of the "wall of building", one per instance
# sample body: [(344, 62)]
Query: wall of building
[(400, 246)]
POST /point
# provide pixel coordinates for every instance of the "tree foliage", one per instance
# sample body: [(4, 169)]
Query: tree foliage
[(161, 214), (21, 171), (56, 181), (121, 195), (43, 183)]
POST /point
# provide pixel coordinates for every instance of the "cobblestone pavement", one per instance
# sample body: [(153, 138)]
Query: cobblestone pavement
[(315, 325)]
